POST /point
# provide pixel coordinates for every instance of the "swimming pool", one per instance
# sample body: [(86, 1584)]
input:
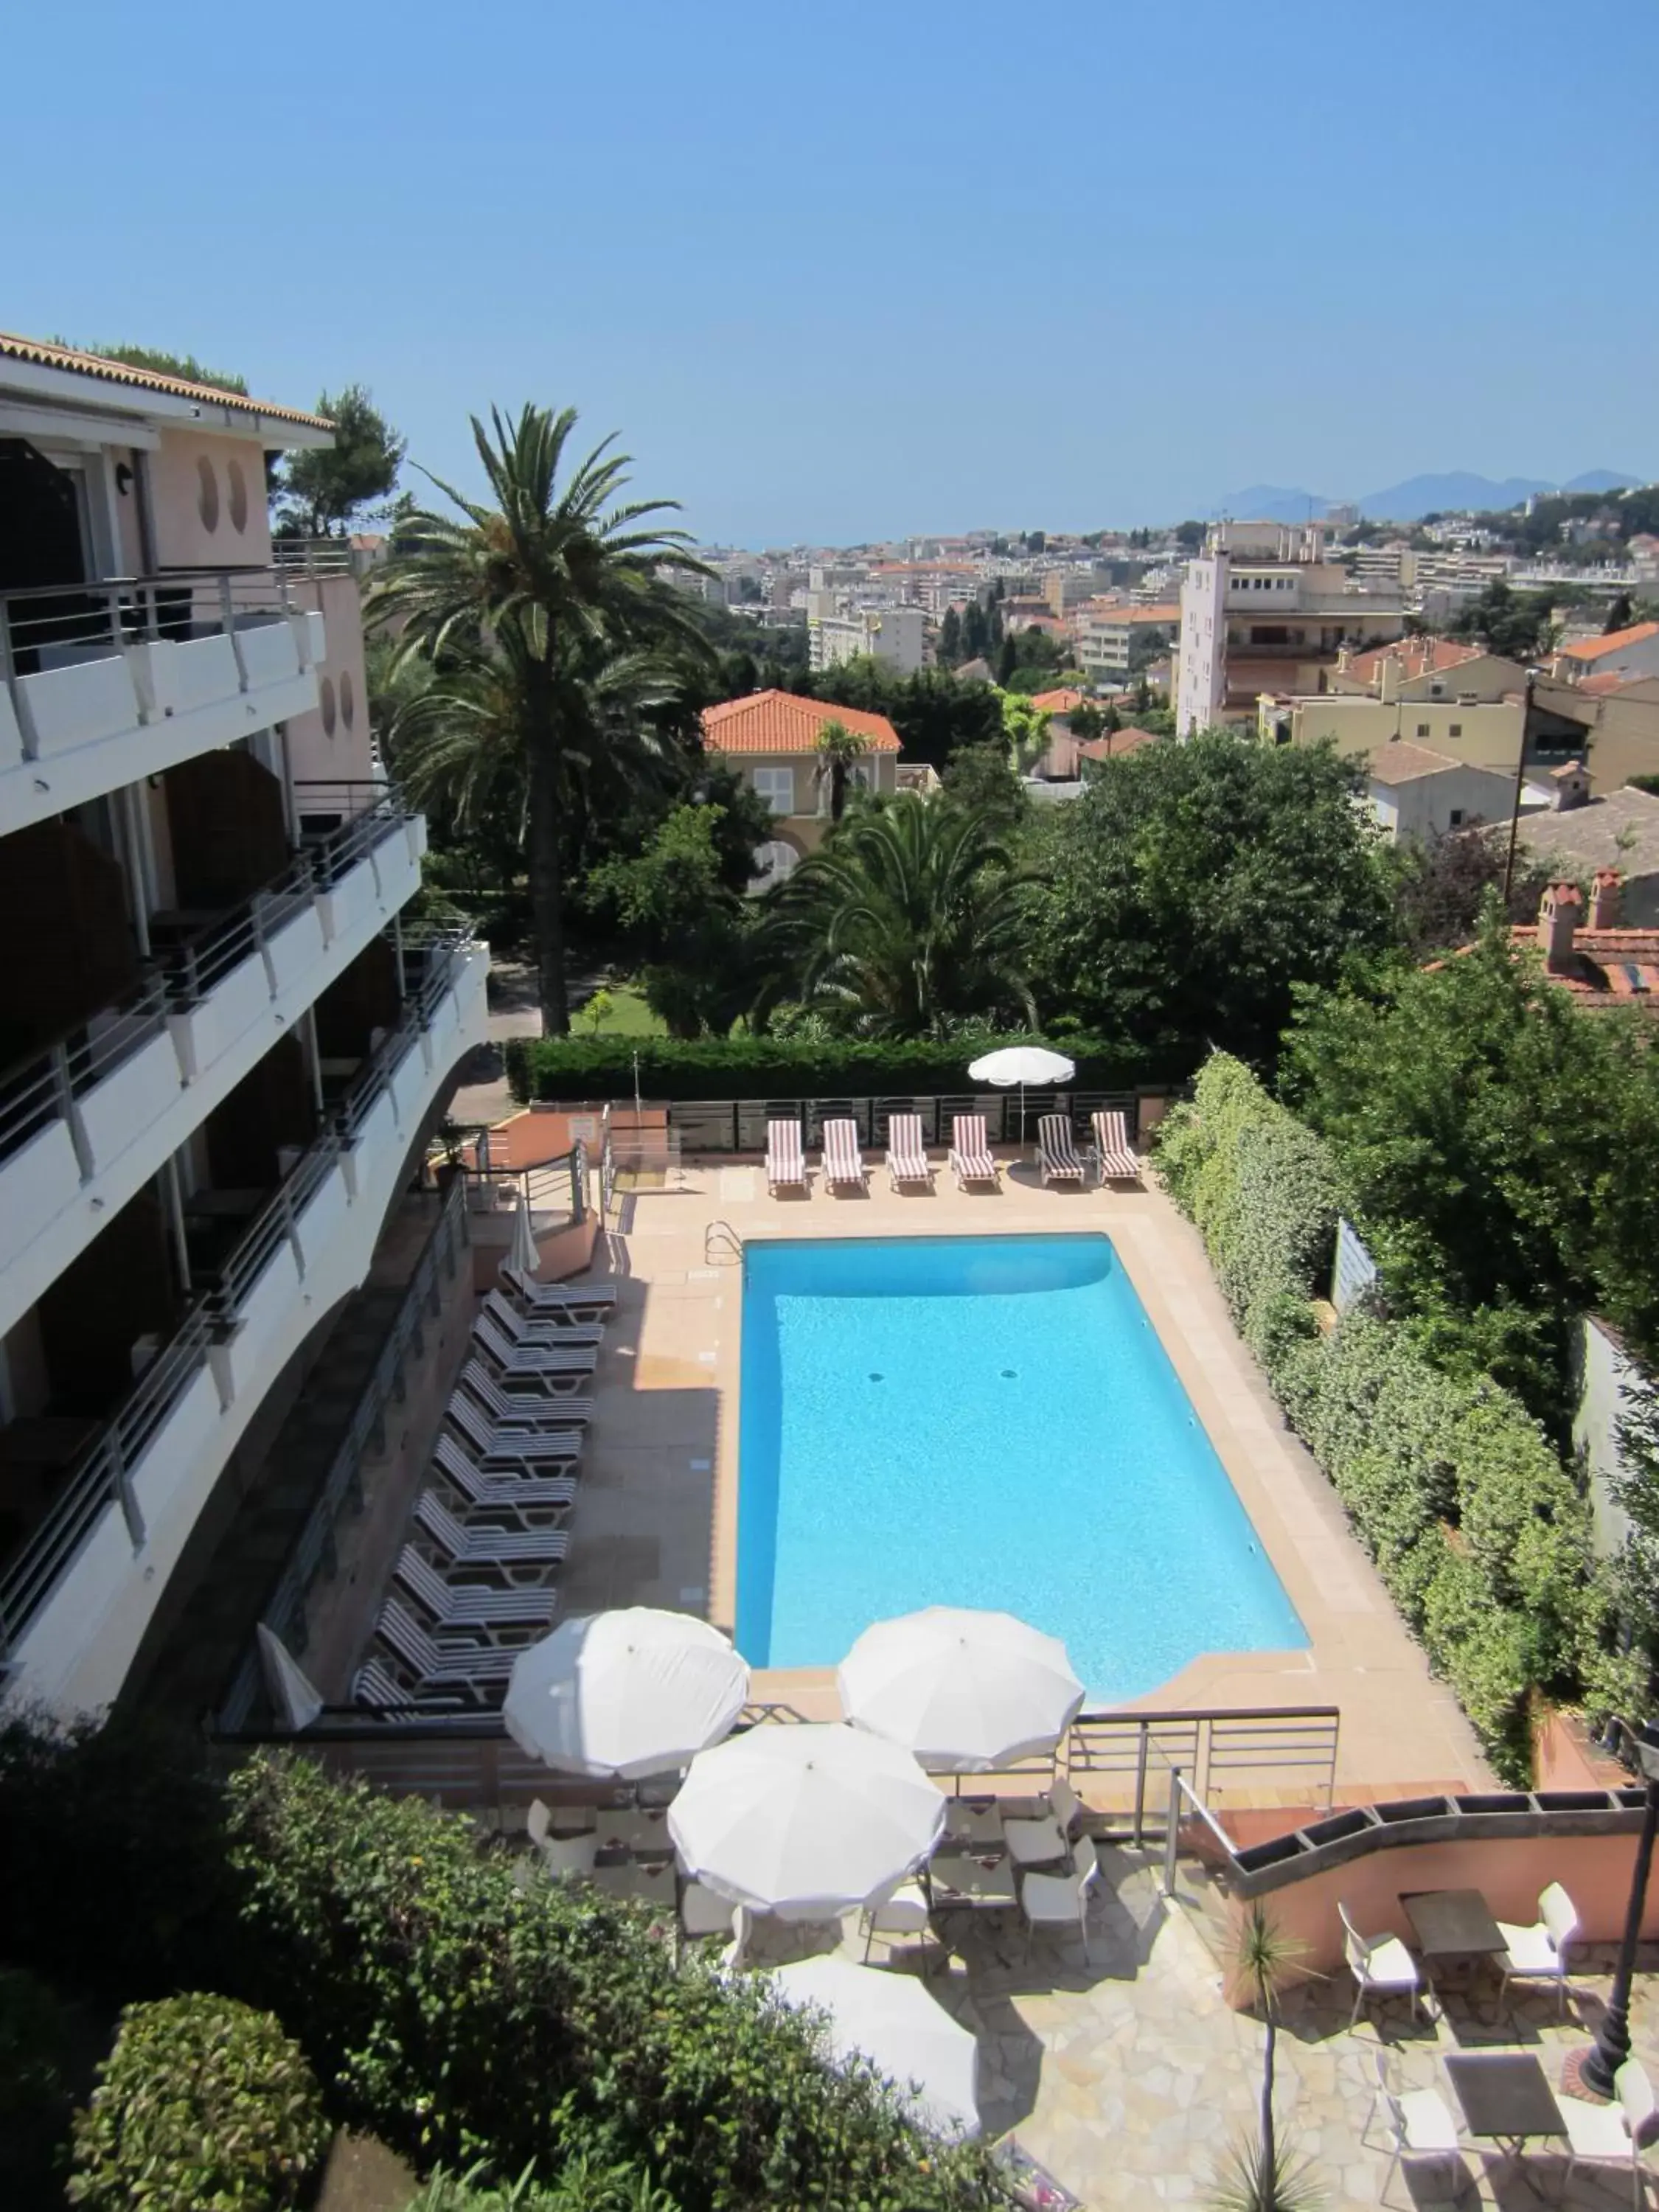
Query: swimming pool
[(982, 1421)]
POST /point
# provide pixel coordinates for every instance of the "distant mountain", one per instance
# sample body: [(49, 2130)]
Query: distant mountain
[(1601, 480), (1272, 503)]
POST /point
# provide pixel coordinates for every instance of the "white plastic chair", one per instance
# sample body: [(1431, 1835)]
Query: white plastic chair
[(902, 1912), (1380, 1965), (1046, 1841), (1055, 1900), (1419, 2125), (1604, 2134), (562, 1856), (1538, 1953)]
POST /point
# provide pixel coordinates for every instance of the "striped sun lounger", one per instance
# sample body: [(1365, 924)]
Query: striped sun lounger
[(524, 1498), (906, 1155), (1114, 1154), (471, 1547), (784, 1168), (472, 1605), (972, 1159), (538, 1331), (552, 1300), (843, 1161), (1056, 1150)]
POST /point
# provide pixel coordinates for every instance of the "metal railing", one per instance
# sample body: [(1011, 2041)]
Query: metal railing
[(313, 1553), (100, 1475), (553, 1191), (739, 1125), (339, 823), (50, 1084), (101, 1478), (1214, 1749), (64, 625), (313, 557)]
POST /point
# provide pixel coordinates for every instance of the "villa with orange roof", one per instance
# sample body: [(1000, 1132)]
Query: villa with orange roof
[(772, 737), (1630, 654)]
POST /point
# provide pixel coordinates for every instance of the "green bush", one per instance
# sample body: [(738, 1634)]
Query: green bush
[(35, 2097), (463, 2015), (581, 2186), (204, 2105), (1477, 1530), (578, 1069)]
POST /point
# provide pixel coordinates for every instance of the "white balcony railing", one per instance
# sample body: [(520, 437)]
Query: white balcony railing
[(86, 1123), (177, 663), (126, 1505)]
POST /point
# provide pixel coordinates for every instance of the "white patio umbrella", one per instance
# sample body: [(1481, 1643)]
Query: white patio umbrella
[(804, 1821), (967, 1692), (1022, 1064), (294, 1697), (628, 1692), (523, 1255), (896, 2022)]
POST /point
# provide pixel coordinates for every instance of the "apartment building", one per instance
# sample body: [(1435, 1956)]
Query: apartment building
[(1105, 634), (1262, 610), (772, 739), (222, 1048), (897, 636)]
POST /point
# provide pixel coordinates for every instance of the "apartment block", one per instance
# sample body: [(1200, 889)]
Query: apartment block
[(897, 636), (221, 1044)]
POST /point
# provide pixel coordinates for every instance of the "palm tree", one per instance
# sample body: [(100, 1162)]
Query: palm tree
[(553, 576), (1264, 2178), (905, 917), (839, 750)]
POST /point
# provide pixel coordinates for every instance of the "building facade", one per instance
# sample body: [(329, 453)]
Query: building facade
[(223, 1050), (772, 739), (895, 635)]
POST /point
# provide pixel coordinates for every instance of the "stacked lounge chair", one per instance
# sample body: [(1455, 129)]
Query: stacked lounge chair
[(906, 1155), (843, 1163), (784, 1168), (1056, 1151), (1115, 1156), (971, 1158)]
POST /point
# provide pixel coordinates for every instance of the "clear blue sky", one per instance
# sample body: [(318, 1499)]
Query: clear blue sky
[(838, 272)]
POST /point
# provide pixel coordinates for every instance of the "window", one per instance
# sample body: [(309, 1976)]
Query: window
[(1455, 817), (777, 786), (1454, 729), (1422, 729)]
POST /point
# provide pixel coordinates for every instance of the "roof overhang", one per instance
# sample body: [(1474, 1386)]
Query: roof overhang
[(121, 409)]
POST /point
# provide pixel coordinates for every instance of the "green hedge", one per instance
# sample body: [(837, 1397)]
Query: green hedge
[(463, 2013), (202, 2105), (579, 1069), (1477, 1530)]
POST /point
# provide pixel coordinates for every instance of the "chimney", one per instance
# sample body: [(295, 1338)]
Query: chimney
[(1571, 786), (1558, 918), (1344, 655), (1388, 680), (1604, 898)]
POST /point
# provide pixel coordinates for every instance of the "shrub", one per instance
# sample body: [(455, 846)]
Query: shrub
[(202, 2105), (581, 2186), (34, 2098), (579, 1069), (464, 2016), (1476, 1526)]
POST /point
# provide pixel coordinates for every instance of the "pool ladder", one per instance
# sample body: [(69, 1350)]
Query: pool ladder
[(722, 1247)]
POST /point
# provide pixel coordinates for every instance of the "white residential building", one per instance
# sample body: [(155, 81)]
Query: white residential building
[(222, 1050), (897, 636)]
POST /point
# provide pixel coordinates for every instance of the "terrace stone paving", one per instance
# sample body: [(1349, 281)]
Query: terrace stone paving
[(1131, 2079)]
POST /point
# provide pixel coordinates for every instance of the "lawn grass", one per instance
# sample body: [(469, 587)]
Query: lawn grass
[(628, 1015)]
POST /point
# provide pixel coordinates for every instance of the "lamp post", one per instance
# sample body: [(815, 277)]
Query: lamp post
[(1520, 776), (1597, 2066)]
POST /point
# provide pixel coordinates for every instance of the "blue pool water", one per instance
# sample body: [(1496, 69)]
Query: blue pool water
[(982, 1421)]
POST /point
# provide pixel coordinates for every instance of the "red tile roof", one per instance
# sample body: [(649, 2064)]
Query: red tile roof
[(44, 355), (1418, 656), (780, 722), (1056, 702), (1116, 742), (1597, 648), (1606, 967)]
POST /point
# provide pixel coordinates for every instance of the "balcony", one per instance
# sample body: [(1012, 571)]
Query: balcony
[(103, 683), (97, 1540), (87, 1122)]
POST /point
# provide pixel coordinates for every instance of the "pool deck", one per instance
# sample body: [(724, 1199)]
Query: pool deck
[(657, 1514)]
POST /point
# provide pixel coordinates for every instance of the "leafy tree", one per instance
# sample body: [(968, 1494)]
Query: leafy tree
[(1007, 659), (1621, 615), (839, 751), (1088, 722), (1025, 727), (162, 363), (932, 712), (681, 918), (1502, 1149), (981, 780), (1443, 883), (554, 575), (1514, 624), (950, 638), (1189, 535), (322, 488), (910, 915), (1192, 889)]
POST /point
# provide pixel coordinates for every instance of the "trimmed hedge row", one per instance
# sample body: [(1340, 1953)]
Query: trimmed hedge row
[(1478, 1531), (583, 1068)]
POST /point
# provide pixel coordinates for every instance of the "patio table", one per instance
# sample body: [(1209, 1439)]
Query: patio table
[(1504, 2097), (960, 1878), (627, 1878), (1452, 1924)]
